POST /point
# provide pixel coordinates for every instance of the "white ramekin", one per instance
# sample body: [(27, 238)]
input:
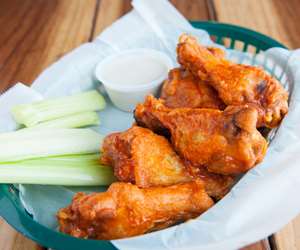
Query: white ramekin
[(126, 97)]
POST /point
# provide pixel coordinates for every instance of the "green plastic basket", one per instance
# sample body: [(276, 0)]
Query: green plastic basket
[(238, 38), (14, 213)]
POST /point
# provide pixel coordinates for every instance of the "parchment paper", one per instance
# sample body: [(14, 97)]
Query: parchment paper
[(262, 202)]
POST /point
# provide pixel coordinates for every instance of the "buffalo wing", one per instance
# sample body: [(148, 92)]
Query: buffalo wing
[(236, 84), (184, 90), (225, 142), (125, 210)]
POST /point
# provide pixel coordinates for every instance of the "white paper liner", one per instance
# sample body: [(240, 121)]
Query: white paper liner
[(262, 202), (17, 94)]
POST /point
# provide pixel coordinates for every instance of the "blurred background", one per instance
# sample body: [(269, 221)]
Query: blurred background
[(35, 33)]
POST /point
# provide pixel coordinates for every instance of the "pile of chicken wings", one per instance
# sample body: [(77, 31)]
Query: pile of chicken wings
[(185, 150)]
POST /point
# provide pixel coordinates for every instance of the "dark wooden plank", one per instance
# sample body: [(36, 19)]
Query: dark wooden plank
[(288, 237), (37, 32), (276, 18), (261, 245), (108, 12), (193, 9), (11, 240)]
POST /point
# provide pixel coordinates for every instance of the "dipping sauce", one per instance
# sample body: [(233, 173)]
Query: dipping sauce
[(133, 69), (130, 75)]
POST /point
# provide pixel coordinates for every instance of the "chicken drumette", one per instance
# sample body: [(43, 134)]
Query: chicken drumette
[(141, 157), (125, 210), (225, 142), (184, 90), (236, 84)]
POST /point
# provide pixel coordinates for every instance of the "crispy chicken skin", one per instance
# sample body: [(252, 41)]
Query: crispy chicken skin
[(216, 52), (226, 142), (143, 158), (184, 90), (148, 120), (236, 84), (125, 210), (216, 185)]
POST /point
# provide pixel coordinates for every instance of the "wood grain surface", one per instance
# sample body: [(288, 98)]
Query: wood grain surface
[(276, 18), (35, 33)]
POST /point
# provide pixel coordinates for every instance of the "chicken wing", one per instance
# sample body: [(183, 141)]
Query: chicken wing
[(220, 53), (216, 185), (182, 89), (143, 158), (236, 84), (225, 142), (125, 210), (139, 156)]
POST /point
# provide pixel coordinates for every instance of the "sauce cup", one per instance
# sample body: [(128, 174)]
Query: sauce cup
[(130, 75)]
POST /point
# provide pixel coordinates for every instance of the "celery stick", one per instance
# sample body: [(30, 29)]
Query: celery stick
[(34, 113), (80, 170), (71, 121), (43, 142)]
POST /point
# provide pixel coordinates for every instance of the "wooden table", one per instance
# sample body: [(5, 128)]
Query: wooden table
[(35, 33)]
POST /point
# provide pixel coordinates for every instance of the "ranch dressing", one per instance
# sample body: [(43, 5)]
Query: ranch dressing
[(133, 69), (128, 76)]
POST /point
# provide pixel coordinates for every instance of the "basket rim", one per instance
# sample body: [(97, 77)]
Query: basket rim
[(242, 30), (15, 215)]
